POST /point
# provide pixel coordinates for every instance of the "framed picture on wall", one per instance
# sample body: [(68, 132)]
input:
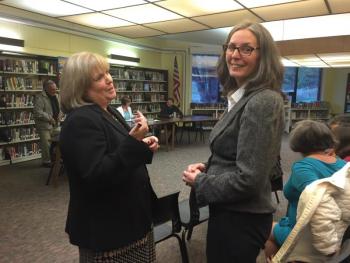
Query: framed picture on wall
[(347, 95)]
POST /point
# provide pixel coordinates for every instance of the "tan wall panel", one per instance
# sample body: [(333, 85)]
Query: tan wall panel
[(314, 45)]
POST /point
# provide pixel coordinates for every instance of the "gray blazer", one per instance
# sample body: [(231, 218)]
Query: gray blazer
[(42, 111), (244, 144)]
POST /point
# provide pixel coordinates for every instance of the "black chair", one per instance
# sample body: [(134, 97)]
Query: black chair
[(277, 185), (167, 223), (191, 215)]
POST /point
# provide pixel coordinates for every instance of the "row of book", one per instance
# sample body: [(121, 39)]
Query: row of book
[(311, 105), (16, 117), (139, 86), (311, 115), (23, 133), (141, 98), (207, 106), (120, 73), (17, 100), (146, 108), (27, 66), (21, 150), (20, 83)]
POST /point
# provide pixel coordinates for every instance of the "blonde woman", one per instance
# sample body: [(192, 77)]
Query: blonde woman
[(109, 214)]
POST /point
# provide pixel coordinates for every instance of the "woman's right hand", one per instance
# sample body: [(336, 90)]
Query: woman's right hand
[(196, 166), (141, 127)]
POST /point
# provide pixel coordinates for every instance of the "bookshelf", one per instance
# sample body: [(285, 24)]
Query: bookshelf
[(319, 111), (147, 88), (287, 115), (21, 78), (209, 109)]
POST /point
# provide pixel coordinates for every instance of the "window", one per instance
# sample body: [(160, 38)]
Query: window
[(205, 84), (308, 84), (290, 74), (302, 84)]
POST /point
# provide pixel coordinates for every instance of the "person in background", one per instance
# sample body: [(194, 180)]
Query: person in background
[(125, 109), (316, 142), (245, 146), (109, 213), (46, 117), (168, 110), (340, 125)]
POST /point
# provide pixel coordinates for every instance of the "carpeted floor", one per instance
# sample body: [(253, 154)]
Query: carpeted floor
[(32, 216)]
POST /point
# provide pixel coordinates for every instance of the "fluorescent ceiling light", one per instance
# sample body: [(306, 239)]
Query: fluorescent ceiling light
[(11, 48), (288, 63), (106, 4), (97, 20), (275, 28), (336, 57), (314, 64), (137, 14), (320, 26), (342, 65), (47, 7), (199, 7), (259, 3)]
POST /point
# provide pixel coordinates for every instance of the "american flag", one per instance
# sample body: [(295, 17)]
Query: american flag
[(176, 80)]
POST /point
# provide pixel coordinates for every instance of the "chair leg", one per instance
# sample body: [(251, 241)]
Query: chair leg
[(49, 176), (183, 249), (278, 200), (189, 233)]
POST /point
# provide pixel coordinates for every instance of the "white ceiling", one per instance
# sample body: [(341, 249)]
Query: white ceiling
[(201, 21)]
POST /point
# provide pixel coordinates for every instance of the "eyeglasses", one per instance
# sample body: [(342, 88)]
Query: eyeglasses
[(242, 50)]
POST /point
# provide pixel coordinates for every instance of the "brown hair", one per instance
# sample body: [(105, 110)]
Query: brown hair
[(269, 72)]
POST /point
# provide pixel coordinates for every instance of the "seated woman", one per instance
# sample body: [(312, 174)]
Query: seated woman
[(125, 109), (340, 125), (315, 141)]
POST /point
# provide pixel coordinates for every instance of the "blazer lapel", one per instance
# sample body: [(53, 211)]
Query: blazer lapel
[(117, 124), (228, 117)]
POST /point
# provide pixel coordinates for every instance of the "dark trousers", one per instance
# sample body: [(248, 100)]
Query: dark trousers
[(235, 237)]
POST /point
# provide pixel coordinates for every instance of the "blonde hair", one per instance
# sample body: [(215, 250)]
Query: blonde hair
[(76, 79)]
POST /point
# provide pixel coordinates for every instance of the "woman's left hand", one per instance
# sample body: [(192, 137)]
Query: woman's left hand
[(152, 142), (190, 176)]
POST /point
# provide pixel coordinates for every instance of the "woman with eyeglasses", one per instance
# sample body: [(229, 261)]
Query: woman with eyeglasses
[(109, 214), (245, 145)]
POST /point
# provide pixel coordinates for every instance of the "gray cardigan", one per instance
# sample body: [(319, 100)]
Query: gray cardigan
[(245, 144)]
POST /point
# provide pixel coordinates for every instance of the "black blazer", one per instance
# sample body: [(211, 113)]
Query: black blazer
[(110, 191)]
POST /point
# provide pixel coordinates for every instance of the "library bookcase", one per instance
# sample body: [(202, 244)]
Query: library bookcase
[(21, 78)]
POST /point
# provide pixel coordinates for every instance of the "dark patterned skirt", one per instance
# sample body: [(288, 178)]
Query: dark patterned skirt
[(141, 251)]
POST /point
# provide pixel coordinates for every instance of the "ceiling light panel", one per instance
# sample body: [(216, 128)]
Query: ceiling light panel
[(97, 20), (176, 26), (339, 6), (292, 10), (226, 19), (106, 4), (340, 65), (260, 3), (288, 63), (53, 8), (190, 8), (134, 31), (335, 57), (312, 27), (138, 14), (303, 58)]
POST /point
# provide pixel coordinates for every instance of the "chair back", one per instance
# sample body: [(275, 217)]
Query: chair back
[(166, 209)]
